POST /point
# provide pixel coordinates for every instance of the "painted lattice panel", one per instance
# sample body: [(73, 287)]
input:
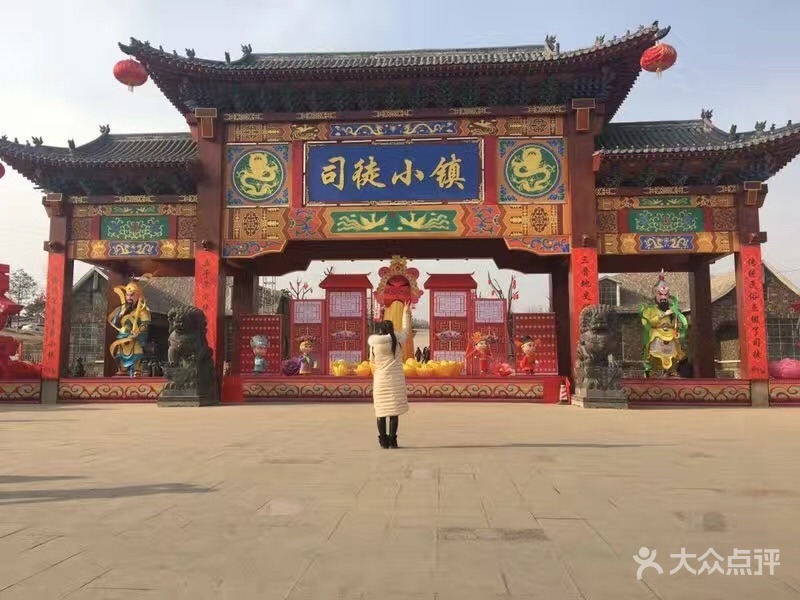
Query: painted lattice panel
[(307, 312), (345, 304), (450, 355), (308, 320), (489, 318), (541, 326), (489, 311), (450, 304), (350, 356), (268, 326)]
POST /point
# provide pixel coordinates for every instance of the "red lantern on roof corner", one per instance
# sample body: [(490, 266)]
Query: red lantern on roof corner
[(658, 58), (130, 72), (2, 170)]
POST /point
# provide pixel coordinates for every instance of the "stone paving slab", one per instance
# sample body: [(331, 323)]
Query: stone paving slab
[(483, 501)]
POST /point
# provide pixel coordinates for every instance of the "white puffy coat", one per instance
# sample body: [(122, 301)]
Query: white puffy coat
[(389, 394)]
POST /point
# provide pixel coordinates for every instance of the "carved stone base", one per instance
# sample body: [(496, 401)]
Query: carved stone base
[(599, 398), (185, 398)]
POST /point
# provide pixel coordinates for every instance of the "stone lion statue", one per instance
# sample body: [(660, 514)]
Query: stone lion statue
[(596, 367), (190, 360)]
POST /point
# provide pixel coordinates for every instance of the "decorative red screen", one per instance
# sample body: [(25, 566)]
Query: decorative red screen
[(268, 326), (540, 326)]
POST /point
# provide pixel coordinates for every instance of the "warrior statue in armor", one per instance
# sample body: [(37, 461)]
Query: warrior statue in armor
[(665, 328)]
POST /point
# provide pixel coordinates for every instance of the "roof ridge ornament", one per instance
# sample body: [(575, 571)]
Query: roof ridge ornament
[(190, 53), (705, 115), (247, 50), (227, 57), (732, 135), (599, 40), (551, 46), (71, 144), (37, 141), (105, 129)]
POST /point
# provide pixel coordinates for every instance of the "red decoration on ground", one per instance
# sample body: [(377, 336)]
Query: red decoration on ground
[(658, 58), (10, 368), (131, 73)]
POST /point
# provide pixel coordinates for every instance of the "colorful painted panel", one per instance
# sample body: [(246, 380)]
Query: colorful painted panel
[(134, 210), (393, 129), (665, 220), (99, 249), (532, 219), (543, 245), (134, 229), (717, 242), (673, 201), (390, 223), (360, 173), (257, 175), (532, 170)]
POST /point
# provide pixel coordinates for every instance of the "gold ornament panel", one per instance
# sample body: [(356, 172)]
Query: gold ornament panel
[(257, 223), (532, 219)]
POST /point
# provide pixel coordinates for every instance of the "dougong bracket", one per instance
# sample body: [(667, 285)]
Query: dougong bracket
[(206, 117), (583, 108)]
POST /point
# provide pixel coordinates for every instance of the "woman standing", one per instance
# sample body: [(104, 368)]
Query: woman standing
[(389, 382)]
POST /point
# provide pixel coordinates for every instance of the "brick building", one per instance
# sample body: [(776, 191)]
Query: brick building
[(88, 315), (627, 291)]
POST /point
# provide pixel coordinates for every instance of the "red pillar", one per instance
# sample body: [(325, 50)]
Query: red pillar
[(750, 306), (582, 124), (702, 322), (55, 343), (209, 273)]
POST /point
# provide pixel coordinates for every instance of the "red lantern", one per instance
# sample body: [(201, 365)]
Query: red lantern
[(658, 58), (130, 73), (2, 170)]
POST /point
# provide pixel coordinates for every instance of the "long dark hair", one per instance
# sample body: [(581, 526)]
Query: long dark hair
[(387, 328)]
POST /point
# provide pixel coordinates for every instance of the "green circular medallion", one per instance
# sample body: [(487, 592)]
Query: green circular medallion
[(532, 170), (258, 175)]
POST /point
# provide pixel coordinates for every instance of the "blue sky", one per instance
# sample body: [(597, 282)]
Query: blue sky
[(738, 58)]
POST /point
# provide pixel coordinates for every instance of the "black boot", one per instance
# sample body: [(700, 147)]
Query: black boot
[(383, 439), (393, 424)]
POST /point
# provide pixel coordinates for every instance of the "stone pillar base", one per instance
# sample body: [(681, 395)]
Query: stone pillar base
[(759, 394), (185, 398), (49, 392), (599, 398)]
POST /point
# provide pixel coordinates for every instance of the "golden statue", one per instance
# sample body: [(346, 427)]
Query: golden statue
[(131, 320), (665, 328)]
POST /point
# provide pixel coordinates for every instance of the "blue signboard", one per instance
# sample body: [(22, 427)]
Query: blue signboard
[(359, 173)]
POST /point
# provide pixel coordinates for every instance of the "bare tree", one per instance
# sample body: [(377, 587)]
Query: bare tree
[(299, 289), (509, 296)]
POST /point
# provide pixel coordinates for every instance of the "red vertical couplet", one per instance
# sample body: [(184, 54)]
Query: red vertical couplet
[(752, 314), (584, 287), (208, 295), (56, 320)]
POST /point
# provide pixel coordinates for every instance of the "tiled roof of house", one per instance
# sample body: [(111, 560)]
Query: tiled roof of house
[(641, 284), (109, 150), (697, 135), (330, 62)]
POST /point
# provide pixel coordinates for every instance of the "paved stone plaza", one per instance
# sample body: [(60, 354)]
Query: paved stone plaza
[(483, 501)]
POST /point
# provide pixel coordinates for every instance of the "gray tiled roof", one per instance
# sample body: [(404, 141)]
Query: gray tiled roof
[(682, 136), (146, 149), (395, 59)]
